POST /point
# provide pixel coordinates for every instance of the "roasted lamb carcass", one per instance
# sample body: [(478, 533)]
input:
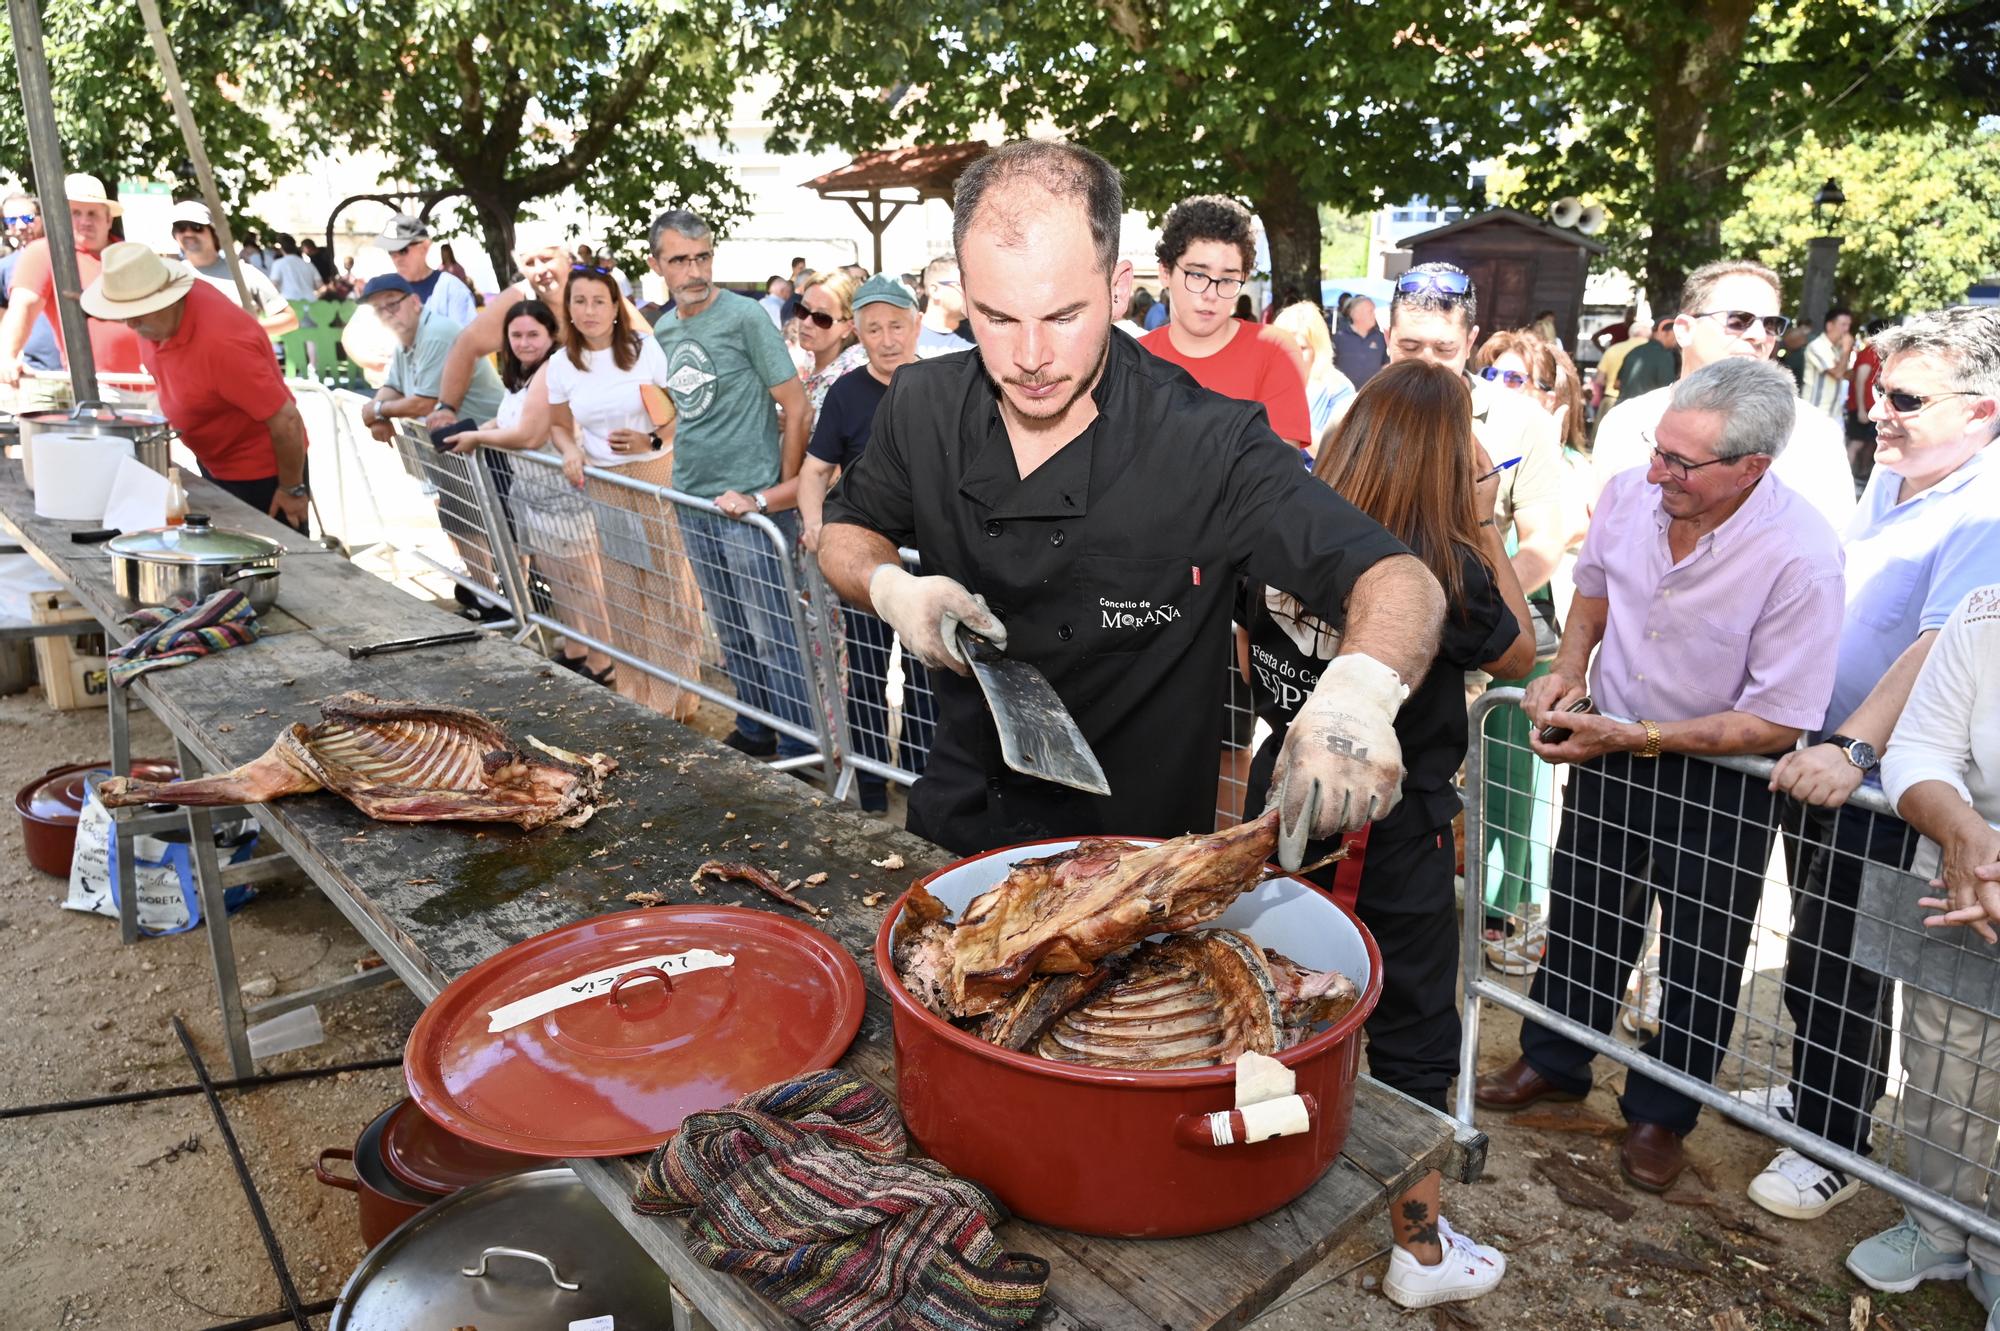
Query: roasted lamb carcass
[(399, 762), (1062, 913), (1195, 1000)]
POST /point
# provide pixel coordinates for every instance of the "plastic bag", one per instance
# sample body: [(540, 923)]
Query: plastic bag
[(168, 900)]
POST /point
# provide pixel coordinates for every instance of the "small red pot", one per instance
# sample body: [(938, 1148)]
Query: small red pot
[(50, 805), (1129, 1154), (384, 1203)]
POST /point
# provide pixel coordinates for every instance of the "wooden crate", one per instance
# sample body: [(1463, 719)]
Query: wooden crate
[(71, 667)]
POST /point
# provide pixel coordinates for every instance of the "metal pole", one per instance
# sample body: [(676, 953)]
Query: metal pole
[(191, 133), (1816, 291), (38, 108)]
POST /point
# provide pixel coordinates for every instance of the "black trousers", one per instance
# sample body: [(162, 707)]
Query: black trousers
[(1699, 838), (259, 493), (1841, 1013), (1405, 899)]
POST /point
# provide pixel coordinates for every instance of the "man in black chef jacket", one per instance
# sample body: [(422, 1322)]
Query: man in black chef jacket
[(1089, 507)]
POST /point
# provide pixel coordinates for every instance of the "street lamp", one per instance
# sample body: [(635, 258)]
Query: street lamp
[(1822, 256)]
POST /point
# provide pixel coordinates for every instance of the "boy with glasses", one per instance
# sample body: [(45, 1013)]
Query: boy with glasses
[(1730, 309)]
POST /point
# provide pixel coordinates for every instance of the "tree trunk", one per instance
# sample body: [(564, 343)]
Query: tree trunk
[(496, 222), (1690, 153), (1291, 226)]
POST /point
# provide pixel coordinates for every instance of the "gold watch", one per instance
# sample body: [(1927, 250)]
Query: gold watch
[(1652, 749)]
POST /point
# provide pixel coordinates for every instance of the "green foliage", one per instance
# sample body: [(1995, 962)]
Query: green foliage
[(1922, 220), (514, 103), (1343, 248), (1286, 106), (111, 102)]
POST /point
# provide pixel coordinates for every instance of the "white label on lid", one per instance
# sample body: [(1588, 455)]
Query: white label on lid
[(592, 1324), (556, 997)]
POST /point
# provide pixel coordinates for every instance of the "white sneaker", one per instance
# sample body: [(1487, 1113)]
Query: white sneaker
[(1642, 1009), (1468, 1270), (1520, 953), (1795, 1187), (1775, 1100)]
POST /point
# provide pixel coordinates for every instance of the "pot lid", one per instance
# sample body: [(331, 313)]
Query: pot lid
[(422, 1155), (526, 1231), (58, 796), (196, 541), (97, 413), (571, 1044)]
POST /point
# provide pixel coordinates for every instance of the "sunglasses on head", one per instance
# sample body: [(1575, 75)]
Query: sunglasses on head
[(597, 268), (1739, 322), (1442, 282), (817, 319)]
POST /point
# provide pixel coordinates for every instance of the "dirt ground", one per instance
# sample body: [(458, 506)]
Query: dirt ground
[(131, 1217)]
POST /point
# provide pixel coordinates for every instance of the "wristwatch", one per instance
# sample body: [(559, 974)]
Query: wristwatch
[(1859, 751), (763, 505), (1652, 749), (298, 491), (446, 406)]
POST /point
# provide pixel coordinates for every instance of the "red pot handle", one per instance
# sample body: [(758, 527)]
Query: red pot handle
[(1282, 1117), (335, 1180), (643, 973)]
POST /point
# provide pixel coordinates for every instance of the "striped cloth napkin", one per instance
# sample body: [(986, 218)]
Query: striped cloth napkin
[(806, 1189), (175, 634)]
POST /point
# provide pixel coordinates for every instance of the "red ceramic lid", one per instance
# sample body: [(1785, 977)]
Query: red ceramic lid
[(422, 1155), (559, 1047), (57, 796)]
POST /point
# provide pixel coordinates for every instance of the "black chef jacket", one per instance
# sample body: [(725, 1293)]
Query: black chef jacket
[(1114, 566)]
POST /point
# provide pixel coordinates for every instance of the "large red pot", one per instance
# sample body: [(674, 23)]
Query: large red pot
[(385, 1202), (50, 805), (403, 1162), (1128, 1154)]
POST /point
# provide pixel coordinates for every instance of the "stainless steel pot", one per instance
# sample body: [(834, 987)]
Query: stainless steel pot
[(152, 438), (525, 1252), (197, 560)]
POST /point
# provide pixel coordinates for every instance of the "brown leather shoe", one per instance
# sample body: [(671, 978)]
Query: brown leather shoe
[(1517, 1086), (1651, 1157)]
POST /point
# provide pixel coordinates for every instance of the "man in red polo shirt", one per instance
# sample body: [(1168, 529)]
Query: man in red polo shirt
[(219, 383), (1207, 248), (113, 347)]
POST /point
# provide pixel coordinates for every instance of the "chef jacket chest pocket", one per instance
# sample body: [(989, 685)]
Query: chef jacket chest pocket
[(1130, 605)]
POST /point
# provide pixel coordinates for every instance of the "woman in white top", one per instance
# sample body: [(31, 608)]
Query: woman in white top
[(599, 418), (554, 532)]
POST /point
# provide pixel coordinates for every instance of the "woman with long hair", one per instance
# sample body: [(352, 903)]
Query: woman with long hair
[(1404, 454), (1326, 387), (554, 532), (599, 417)]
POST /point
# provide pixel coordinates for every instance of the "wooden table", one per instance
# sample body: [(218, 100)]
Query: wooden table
[(435, 899)]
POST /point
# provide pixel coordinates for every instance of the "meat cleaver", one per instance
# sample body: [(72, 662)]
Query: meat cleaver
[(1038, 737)]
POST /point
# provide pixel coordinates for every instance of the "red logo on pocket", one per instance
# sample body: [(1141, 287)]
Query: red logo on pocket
[(1197, 575)]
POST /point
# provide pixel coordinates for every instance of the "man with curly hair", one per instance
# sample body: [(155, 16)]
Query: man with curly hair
[(1207, 250)]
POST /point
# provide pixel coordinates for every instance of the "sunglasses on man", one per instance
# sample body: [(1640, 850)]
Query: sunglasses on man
[(1740, 322), (1442, 282), (1909, 404), (19, 219)]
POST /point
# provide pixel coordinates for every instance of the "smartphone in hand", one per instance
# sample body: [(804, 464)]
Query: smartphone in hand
[(1559, 734)]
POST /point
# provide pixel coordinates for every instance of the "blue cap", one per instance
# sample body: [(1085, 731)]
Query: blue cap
[(387, 282), (882, 289)]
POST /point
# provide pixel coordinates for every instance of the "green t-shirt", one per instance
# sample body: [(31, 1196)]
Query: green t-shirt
[(721, 367), (418, 369)]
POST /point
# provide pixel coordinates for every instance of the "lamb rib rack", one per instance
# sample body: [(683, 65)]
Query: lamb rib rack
[(399, 762)]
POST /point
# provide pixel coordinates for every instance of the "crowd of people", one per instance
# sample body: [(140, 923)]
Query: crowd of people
[(1383, 513)]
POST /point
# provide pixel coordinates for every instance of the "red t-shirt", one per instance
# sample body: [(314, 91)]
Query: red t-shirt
[(113, 346), (1872, 358), (1249, 369), (219, 384)]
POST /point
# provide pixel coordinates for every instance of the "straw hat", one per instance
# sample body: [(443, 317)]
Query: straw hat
[(135, 281), (80, 188)]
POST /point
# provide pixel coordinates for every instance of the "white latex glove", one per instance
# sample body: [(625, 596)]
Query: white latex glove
[(1341, 767), (926, 613)]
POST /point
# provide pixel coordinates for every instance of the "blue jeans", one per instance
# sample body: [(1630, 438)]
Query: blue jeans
[(743, 584)]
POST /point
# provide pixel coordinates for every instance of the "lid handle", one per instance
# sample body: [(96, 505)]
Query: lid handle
[(479, 1272), (195, 520), (89, 406), (642, 973)]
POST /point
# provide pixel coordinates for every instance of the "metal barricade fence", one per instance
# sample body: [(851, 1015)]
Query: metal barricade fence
[(470, 493), (1761, 958), (889, 710), (661, 583)]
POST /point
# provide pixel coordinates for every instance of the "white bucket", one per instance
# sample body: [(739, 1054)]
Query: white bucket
[(73, 474)]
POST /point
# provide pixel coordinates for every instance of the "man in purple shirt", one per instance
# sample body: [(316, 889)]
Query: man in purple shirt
[(1711, 595)]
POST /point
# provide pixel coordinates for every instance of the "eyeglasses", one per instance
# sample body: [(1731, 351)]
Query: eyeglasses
[(816, 318), (1739, 322), (1514, 379), (1679, 466), (1197, 282), (1909, 404), (700, 260), (1434, 282), (384, 306)]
